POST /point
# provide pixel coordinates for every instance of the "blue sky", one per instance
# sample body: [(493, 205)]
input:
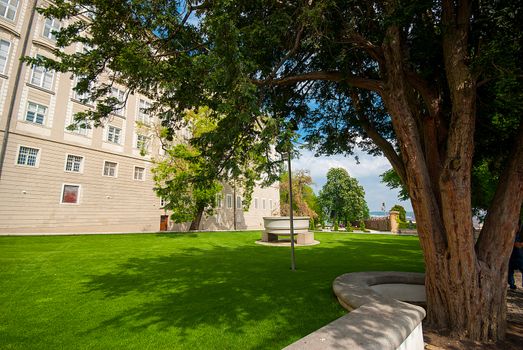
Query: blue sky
[(367, 173)]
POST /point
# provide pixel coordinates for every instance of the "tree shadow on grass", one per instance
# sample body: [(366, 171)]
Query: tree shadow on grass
[(234, 288)]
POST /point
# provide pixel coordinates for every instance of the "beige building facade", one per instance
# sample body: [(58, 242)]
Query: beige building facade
[(55, 180)]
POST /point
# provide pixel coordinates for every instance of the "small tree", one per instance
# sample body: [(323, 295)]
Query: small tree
[(187, 180), (182, 182), (303, 198)]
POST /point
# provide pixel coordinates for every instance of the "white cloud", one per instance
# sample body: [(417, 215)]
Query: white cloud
[(367, 172)]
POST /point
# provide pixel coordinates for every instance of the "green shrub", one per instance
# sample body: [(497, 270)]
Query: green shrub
[(362, 226)]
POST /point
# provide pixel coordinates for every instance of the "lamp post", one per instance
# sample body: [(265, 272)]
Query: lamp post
[(291, 214)]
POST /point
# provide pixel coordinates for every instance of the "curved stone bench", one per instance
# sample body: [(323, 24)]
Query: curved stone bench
[(377, 320)]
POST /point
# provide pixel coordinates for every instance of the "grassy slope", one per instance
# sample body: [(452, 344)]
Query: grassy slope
[(192, 291)]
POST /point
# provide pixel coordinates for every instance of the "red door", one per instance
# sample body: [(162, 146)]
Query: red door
[(164, 220)]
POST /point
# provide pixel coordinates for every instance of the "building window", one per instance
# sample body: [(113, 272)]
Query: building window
[(270, 204), (42, 77), (141, 142), (143, 112), (74, 163), (8, 8), (82, 97), (219, 200), (139, 173), (113, 134), (229, 201), (120, 96), (238, 202), (255, 203), (70, 194), (51, 25), (4, 54), (110, 168), (36, 113), (263, 203), (27, 156), (80, 130)]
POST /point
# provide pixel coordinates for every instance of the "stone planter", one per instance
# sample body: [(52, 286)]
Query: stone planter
[(276, 226)]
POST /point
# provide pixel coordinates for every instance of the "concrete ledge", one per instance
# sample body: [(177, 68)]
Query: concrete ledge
[(377, 321), (354, 289)]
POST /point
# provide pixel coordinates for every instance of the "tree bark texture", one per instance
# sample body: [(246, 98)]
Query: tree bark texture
[(465, 279), (195, 224), (465, 282)]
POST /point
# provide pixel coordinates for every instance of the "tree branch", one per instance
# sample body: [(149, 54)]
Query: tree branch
[(387, 149), (363, 83), (385, 146), (497, 234), (288, 55), (431, 97), (373, 50)]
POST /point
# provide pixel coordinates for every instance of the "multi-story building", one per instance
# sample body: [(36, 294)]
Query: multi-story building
[(86, 180)]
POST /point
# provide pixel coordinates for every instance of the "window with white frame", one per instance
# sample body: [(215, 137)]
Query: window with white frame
[(114, 134), (82, 97), (141, 142), (4, 54), (270, 204), (110, 168), (70, 194), (255, 203), (139, 173), (143, 112), (219, 200), (8, 8), (42, 77), (263, 203), (36, 113), (120, 96), (74, 163), (238, 202), (229, 201), (51, 25), (27, 156), (80, 129)]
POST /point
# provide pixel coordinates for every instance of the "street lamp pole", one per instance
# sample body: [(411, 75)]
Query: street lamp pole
[(291, 214)]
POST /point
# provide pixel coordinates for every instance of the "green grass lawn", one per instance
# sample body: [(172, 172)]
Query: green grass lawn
[(189, 291)]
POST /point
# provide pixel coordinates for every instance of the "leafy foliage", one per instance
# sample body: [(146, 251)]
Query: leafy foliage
[(342, 198), (435, 86), (181, 181), (402, 211), (304, 199), (393, 181)]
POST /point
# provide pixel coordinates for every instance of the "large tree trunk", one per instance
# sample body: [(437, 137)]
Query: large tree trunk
[(195, 224), (465, 282)]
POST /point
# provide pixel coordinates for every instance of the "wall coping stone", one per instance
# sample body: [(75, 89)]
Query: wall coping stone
[(375, 321)]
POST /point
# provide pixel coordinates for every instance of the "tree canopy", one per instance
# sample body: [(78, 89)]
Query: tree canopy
[(435, 86), (182, 183), (342, 198), (183, 176), (303, 197)]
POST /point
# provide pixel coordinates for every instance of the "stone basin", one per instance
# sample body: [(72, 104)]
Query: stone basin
[(281, 225)]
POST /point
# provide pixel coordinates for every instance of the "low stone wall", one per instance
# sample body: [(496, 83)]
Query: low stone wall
[(376, 322), (378, 224)]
